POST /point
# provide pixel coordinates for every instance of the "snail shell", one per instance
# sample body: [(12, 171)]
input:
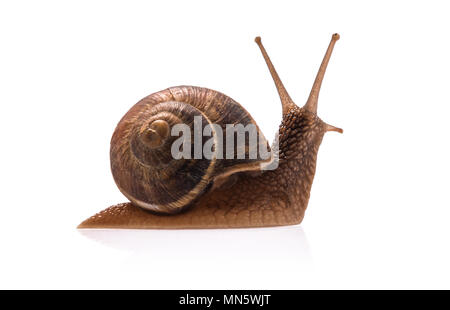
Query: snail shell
[(141, 159)]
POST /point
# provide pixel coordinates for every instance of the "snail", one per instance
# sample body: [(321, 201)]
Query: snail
[(215, 192)]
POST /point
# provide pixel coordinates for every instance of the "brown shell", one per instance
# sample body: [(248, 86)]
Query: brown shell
[(150, 177)]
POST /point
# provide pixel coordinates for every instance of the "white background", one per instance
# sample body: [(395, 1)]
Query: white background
[(379, 210)]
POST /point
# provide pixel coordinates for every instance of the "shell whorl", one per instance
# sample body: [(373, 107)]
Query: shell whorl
[(155, 133), (141, 159)]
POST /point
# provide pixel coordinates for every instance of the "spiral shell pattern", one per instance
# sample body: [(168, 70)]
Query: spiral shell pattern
[(141, 160)]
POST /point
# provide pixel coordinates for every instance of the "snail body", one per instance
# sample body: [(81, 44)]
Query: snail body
[(215, 191)]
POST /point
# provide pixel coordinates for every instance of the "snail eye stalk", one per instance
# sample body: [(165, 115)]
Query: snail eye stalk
[(311, 104), (286, 101)]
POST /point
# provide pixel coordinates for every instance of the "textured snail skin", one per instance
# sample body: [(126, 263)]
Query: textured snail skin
[(276, 197), (248, 199)]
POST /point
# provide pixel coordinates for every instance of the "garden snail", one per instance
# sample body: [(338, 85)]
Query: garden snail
[(168, 192)]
